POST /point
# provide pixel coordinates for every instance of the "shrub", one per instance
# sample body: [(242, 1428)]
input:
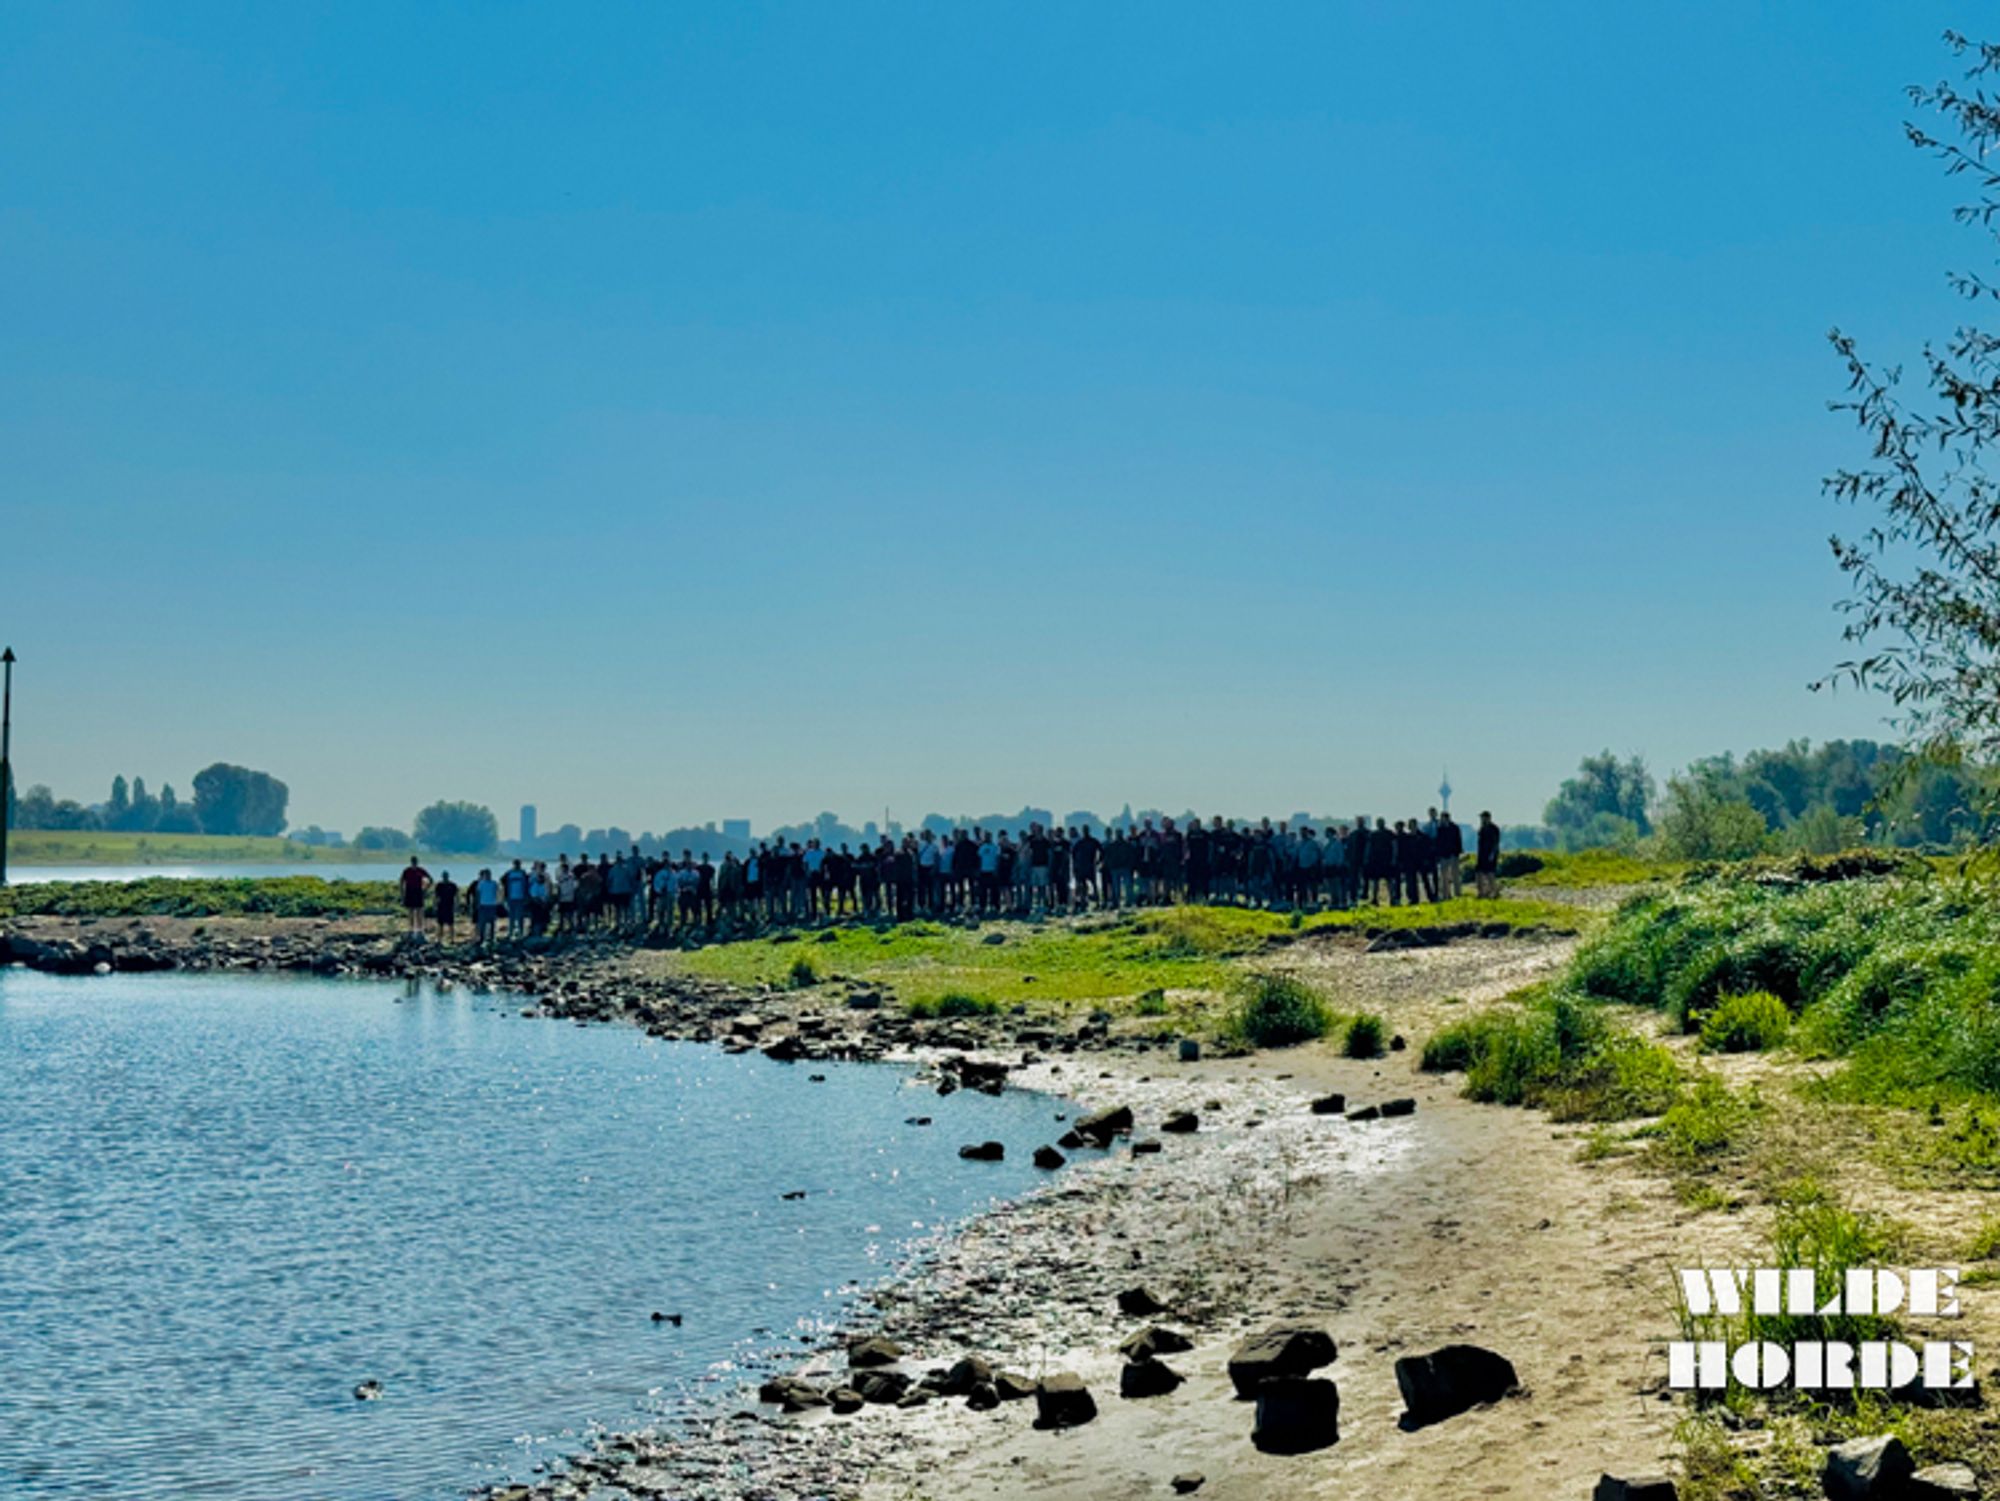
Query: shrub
[(1704, 1121), (1746, 1023), (953, 1003), (1365, 1036), (1276, 1011), (1152, 1003), (802, 973)]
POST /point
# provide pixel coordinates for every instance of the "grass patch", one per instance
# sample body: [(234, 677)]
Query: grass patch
[(953, 1005), (166, 896), (1367, 1037), (1186, 951), (1551, 1049), (1746, 1024), (108, 847), (1277, 1011)]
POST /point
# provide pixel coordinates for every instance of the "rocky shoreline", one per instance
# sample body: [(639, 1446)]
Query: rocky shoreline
[(1114, 1296)]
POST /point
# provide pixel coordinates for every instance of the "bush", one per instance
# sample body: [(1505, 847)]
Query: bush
[(1514, 863), (1277, 1011), (1704, 1121), (953, 1003), (1151, 1003), (802, 973), (1746, 1023), (1365, 1036), (1556, 1051), (168, 896)]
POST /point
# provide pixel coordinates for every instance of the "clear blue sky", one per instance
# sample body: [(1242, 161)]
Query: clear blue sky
[(662, 412)]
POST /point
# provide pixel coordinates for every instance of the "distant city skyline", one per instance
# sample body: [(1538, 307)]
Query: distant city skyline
[(674, 413)]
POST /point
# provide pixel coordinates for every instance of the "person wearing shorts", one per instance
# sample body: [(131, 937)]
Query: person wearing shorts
[(414, 881)]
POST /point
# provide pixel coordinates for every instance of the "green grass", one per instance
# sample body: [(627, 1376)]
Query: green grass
[(1898, 976), (953, 1005), (1277, 1011), (1367, 1037), (165, 896), (102, 847), (1746, 1024), (1551, 1049), (1100, 960)]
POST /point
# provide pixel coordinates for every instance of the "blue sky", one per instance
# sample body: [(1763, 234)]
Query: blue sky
[(674, 412)]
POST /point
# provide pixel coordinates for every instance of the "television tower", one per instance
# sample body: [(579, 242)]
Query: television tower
[(1444, 792)]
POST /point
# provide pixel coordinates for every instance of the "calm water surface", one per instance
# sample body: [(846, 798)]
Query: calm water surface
[(226, 1200), (326, 870)]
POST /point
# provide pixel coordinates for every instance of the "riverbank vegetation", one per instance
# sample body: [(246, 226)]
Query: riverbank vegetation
[(171, 896), (31, 847), (1172, 955)]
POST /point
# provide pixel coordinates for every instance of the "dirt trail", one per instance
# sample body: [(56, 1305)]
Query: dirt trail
[(1481, 1226)]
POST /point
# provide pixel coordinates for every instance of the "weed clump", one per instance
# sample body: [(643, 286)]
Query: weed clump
[(1746, 1023), (1365, 1036), (1278, 1011), (802, 973)]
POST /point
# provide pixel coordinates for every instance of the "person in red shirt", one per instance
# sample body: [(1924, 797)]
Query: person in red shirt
[(415, 881)]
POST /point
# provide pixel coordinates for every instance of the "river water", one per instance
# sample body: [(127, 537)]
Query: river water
[(326, 870), (227, 1200)]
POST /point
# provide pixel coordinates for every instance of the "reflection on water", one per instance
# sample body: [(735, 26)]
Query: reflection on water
[(226, 1200)]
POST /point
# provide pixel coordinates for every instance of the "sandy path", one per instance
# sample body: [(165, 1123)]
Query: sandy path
[(1463, 1223)]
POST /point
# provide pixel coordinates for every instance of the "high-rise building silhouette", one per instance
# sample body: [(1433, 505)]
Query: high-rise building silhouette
[(527, 823)]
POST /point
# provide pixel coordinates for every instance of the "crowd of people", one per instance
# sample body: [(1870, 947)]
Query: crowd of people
[(987, 872)]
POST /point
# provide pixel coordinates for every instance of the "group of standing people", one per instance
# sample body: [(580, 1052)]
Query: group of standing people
[(973, 870)]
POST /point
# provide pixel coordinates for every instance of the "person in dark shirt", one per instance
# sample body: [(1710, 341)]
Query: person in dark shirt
[(414, 880), (1086, 855), (446, 895), (1450, 845), (1486, 863)]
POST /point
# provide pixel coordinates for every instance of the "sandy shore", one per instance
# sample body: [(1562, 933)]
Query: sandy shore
[(1459, 1223)]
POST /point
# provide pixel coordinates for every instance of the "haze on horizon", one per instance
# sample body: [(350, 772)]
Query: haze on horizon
[(670, 415)]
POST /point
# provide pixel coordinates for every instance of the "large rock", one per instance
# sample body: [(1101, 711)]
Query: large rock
[(1296, 1414), (845, 1400), (792, 1394), (983, 1151), (1446, 1382), (1139, 1303), (1867, 1469), (880, 1387), (1944, 1483), (873, 1350), (964, 1376), (1634, 1488), (1063, 1401), (1404, 1106), (1181, 1122), (1099, 1129), (1280, 1351), (1147, 1378), (983, 1397), (1155, 1339), (1048, 1159), (1013, 1386), (1329, 1104)]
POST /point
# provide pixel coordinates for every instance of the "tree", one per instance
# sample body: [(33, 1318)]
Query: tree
[(175, 816), (1704, 820), (1924, 576), (457, 828), (1602, 785), (119, 808), (374, 837), (236, 800)]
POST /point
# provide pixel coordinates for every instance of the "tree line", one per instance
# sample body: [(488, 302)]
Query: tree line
[(227, 799), (1801, 797)]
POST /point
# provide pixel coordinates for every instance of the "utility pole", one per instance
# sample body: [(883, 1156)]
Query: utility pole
[(6, 760)]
